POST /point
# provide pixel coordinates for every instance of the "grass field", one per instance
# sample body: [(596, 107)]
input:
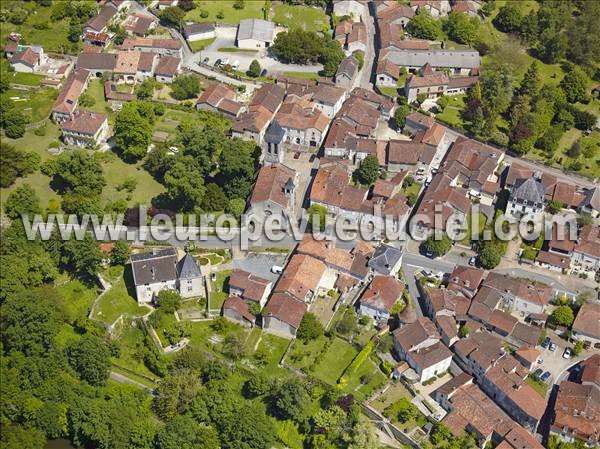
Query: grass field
[(373, 378), (275, 347), (219, 290), (131, 339), (330, 365), (116, 302), (200, 45), (96, 91), (302, 75), (52, 35), (253, 9), (451, 114), (540, 387), (25, 79), (394, 393), (35, 104), (77, 299), (305, 17), (237, 50)]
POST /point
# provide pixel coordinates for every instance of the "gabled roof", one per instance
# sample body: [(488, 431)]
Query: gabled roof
[(97, 61), (301, 276), (382, 293), (72, 89), (257, 29), (240, 306), (411, 335), (84, 122), (348, 67), (253, 287), (167, 65), (188, 268), (270, 184), (99, 21), (27, 57), (285, 308), (529, 190), (153, 267)]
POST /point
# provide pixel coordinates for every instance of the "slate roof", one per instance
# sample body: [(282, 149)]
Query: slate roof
[(97, 61), (348, 67), (275, 133), (257, 29), (384, 258), (529, 190), (157, 266), (188, 268), (436, 58), (190, 29)]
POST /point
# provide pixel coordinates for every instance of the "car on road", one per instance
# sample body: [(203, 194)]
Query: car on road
[(567, 354), (546, 343), (205, 60), (537, 373), (552, 347), (544, 377), (218, 62), (264, 72), (235, 64)]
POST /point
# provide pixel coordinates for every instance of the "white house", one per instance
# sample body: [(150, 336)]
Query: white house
[(255, 33), (378, 300), (419, 343), (526, 199), (159, 270), (85, 129), (27, 60), (195, 31), (351, 8)]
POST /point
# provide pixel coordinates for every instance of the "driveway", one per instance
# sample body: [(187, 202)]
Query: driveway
[(226, 39), (259, 264)]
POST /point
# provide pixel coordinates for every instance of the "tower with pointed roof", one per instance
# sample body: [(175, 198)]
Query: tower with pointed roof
[(190, 281)]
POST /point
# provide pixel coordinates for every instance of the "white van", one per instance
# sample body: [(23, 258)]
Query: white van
[(276, 269)]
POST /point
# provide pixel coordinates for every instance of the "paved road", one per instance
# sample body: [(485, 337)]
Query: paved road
[(127, 380), (367, 70)]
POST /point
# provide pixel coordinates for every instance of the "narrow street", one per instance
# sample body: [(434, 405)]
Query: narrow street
[(367, 71)]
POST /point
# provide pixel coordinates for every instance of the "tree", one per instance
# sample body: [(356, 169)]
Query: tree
[(236, 207), (332, 55), (258, 385), (400, 115), (347, 325), (583, 120), (562, 316), (297, 46), (185, 184), (133, 132), (75, 31), (76, 171), (368, 170), (530, 86), (120, 253), (438, 245), (15, 163), (310, 328), (291, 399), (185, 86), (574, 84), (550, 140), (330, 420), (13, 122), (28, 322), (490, 254), (554, 206), (90, 357), (424, 26), (172, 16), (183, 432), (463, 331), (462, 28), (83, 256), (119, 36), (168, 300), (146, 88), (17, 437), (214, 199), (582, 49), (255, 69), (317, 216), (234, 346), (23, 200), (509, 19), (578, 348), (186, 5)]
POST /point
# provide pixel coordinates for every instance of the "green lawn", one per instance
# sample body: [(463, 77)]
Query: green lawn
[(77, 299), (305, 17), (451, 114), (253, 9), (388, 90), (335, 360), (219, 290), (96, 91), (540, 387), (200, 45), (35, 104), (302, 75), (373, 378), (275, 347), (131, 338), (25, 79), (394, 393), (52, 36), (117, 301)]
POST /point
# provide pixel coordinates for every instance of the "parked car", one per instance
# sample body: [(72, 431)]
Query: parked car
[(276, 269), (567, 354), (537, 373), (264, 72), (544, 377), (205, 60), (473, 261), (546, 343), (213, 276), (552, 347), (218, 62), (235, 64)]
